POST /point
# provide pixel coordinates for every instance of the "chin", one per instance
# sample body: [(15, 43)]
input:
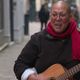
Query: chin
[(58, 31)]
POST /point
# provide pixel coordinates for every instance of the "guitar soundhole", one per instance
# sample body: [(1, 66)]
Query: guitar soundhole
[(52, 78)]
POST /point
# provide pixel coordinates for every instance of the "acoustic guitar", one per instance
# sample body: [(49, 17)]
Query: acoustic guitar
[(57, 72)]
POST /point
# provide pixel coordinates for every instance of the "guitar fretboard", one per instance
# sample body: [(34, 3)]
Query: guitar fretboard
[(69, 72)]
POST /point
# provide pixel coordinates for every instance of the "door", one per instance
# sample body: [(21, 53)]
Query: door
[(3, 38), (1, 22), (32, 11)]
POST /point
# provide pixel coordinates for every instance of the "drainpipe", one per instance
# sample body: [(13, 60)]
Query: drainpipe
[(11, 21)]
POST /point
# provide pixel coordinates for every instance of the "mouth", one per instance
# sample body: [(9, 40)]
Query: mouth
[(58, 26), (58, 23)]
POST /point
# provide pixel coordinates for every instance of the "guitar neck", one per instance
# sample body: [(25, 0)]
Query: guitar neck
[(70, 72)]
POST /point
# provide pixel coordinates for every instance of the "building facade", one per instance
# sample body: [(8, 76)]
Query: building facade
[(11, 22)]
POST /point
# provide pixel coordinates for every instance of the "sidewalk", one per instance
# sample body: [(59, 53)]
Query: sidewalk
[(9, 55), (7, 59), (34, 27)]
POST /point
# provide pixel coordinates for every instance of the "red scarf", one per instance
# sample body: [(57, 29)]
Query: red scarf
[(71, 31)]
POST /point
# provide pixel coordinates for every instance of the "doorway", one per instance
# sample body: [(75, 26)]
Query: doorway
[(3, 39)]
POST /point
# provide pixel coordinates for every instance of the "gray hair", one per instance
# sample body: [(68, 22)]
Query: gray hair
[(64, 2)]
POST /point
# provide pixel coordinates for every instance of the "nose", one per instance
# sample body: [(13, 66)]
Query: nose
[(58, 17)]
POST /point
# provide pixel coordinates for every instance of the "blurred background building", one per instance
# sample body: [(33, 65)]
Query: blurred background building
[(14, 14)]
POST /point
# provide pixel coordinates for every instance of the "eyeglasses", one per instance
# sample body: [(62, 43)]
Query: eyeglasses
[(60, 15)]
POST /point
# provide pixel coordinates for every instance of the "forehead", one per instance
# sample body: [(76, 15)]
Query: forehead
[(60, 6)]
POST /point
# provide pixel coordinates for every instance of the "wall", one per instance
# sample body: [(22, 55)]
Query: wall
[(6, 18)]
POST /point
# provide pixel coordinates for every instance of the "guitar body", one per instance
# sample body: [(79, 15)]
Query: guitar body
[(53, 71), (57, 72)]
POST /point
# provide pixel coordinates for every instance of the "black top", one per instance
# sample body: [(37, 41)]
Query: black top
[(43, 51), (43, 15)]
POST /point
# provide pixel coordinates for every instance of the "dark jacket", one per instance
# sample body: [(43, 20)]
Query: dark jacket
[(43, 51)]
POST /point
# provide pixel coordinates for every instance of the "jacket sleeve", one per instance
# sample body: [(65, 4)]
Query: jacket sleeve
[(27, 57)]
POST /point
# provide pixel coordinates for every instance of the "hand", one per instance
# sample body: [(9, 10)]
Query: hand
[(71, 78), (42, 77), (37, 77), (33, 77), (78, 29)]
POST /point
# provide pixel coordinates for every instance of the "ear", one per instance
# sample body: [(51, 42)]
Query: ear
[(78, 27), (72, 16), (50, 14), (48, 21)]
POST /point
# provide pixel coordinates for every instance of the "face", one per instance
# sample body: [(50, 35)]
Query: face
[(60, 17)]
